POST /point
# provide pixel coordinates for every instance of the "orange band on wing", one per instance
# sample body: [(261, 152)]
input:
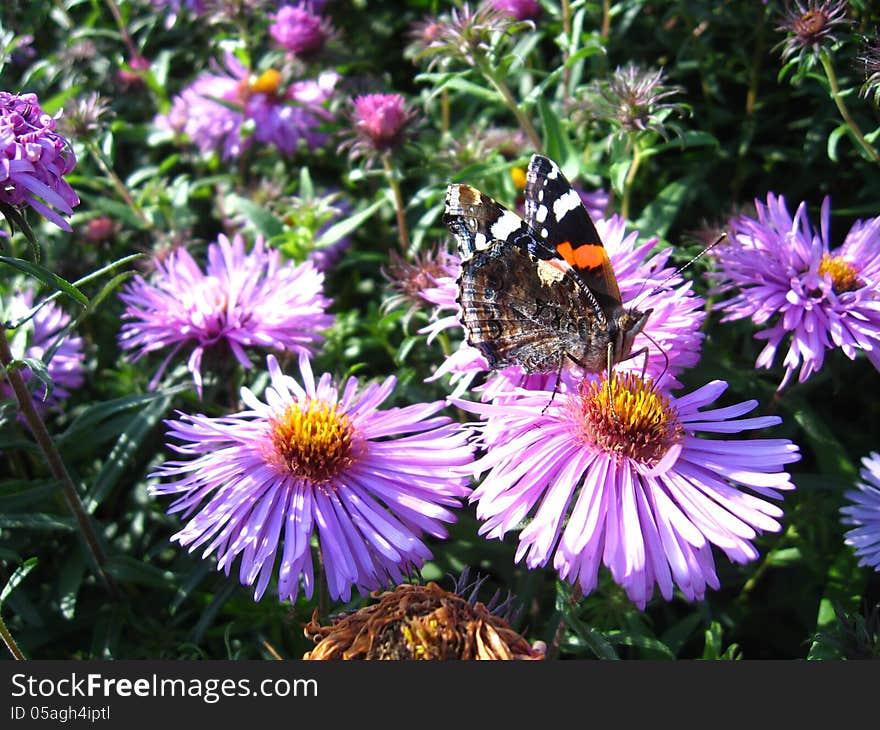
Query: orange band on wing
[(586, 256)]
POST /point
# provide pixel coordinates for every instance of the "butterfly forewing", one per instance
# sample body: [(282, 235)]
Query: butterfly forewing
[(553, 209)]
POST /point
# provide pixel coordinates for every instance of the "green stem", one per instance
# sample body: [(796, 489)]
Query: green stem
[(9, 641), (566, 29), (117, 183), (825, 58), (55, 462), (502, 88), (628, 182), (391, 175), (750, 584), (576, 596)]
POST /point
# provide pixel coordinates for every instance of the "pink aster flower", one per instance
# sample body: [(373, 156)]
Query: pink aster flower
[(317, 461), (34, 159), (518, 9), (646, 281), (241, 300), (298, 29), (787, 279), (230, 109), (34, 339), (628, 481), (379, 123), (863, 513)]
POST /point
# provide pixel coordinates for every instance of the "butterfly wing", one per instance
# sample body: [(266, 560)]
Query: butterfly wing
[(554, 211), (520, 304)]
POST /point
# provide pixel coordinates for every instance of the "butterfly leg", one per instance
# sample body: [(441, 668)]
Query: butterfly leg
[(556, 384)]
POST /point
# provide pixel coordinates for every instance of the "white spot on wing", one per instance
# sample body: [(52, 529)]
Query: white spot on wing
[(541, 213), (505, 225), (565, 203)]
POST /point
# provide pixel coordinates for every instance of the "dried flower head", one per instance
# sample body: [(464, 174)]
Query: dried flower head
[(811, 26), (631, 101), (34, 159), (419, 622)]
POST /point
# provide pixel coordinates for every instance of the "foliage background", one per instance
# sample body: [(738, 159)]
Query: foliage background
[(753, 126)]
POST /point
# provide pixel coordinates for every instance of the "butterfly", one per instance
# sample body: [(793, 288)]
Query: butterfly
[(540, 291)]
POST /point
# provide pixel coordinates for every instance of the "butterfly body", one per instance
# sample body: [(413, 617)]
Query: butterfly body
[(539, 291)]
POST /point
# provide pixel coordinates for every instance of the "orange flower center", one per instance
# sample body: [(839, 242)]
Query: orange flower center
[(630, 419), (312, 440)]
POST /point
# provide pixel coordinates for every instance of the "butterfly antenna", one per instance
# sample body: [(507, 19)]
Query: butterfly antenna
[(690, 263)]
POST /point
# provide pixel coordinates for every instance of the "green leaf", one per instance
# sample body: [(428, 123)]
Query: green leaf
[(833, 139), (828, 451), (124, 451), (70, 578), (557, 146), (591, 638), (47, 277), (36, 521), (266, 222), (93, 416), (348, 225), (627, 638), (660, 213), (16, 578), (127, 569)]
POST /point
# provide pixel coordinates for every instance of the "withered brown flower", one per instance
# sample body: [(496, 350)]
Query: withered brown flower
[(419, 622)]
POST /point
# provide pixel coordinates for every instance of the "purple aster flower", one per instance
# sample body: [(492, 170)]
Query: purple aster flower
[(787, 279), (33, 340), (214, 109), (645, 281), (519, 9), (34, 159), (241, 299), (298, 29), (596, 202), (626, 480), (315, 460), (864, 513)]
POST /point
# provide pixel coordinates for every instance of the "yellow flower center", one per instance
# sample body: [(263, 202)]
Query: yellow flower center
[(844, 276), (631, 419), (267, 82), (312, 440), (518, 175)]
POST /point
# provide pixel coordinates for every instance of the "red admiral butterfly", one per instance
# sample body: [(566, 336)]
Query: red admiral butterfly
[(534, 292)]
